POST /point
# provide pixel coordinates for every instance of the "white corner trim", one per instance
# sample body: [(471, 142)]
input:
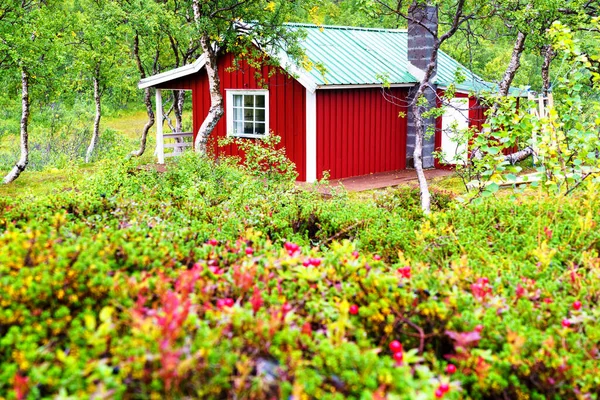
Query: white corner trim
[(229, 111), (311, 136)]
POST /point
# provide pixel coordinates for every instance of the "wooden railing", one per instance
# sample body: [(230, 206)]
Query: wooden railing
[(180, 139), (179, 145)]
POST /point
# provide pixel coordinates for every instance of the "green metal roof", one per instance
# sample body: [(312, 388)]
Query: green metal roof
[(361, 56)]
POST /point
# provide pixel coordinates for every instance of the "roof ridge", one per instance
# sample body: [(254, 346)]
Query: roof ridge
[(345, 28)]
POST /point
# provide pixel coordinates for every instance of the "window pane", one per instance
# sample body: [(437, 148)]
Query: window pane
[(238, 114), (248, 101), (259, 129), (260, 100), (238, 127), (260, 115), (248, 115), (249, 127), (237, 100)]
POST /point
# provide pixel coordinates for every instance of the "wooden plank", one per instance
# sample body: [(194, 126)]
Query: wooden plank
[(177, 135), (177, 145)]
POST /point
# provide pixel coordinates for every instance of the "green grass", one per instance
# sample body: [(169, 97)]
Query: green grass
[(130, 125), (41, 183)]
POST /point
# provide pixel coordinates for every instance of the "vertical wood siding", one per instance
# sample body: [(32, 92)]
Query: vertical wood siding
[(287, 107), (359, 132)]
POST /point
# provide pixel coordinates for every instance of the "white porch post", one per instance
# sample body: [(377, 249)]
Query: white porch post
[(311, 136), (160, 144)]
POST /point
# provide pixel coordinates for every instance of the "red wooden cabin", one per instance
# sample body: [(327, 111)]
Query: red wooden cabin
[(345, 120)]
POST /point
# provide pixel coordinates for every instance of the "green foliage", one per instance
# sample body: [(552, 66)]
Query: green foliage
[(188, 283), (565, 135), (264, 160)]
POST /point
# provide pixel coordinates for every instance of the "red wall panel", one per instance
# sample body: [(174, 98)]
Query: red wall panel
[(359, 132), (287, 106)]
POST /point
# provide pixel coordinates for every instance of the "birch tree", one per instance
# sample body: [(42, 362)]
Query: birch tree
[(247, 28), (24, 45), (100, 54), (455, 14)]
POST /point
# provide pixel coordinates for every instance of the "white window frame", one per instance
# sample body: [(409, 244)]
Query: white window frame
[(229, 112)]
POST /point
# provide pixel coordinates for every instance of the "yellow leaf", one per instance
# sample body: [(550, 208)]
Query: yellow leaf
[(90, 322), (106, 313)]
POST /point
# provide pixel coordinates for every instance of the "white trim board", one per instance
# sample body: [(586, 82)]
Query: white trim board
[(173, 74), (229, 93), (311, 136)]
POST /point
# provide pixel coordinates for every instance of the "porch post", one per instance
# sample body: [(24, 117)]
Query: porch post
[(311, 136), (160, 147)]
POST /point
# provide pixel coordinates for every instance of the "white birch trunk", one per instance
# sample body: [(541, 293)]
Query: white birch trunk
[(418, 157), (96, 133), (24, 159), (215, 111), (513, 65)]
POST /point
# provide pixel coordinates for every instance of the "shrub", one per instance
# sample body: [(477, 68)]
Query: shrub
[(200, 283)]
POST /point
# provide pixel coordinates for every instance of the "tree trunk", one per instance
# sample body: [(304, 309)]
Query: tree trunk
[(149, 124), (147, 100), (96, 134), (520, 155), (418, 158), (549, 55), (513, 65), (24, 159), (509, 75), (178, 102), (215, 111)]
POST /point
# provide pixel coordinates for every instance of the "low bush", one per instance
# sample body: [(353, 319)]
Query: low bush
[(207, 282)]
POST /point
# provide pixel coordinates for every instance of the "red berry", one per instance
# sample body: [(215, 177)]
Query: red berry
[(577, 305), (213, 242), (547, 300), (220, 303), (439, 393), (315, 261), (479, 328), (228, 302), (485, 281), (249, 251), (355, 254), (444, 387), (451, 369), (353, 309), (395, 346), (376, 257), (566, 323), (405, 272), (306, 263), (398, 356)]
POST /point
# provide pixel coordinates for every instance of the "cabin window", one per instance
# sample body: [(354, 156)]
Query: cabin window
[(248, 113)]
